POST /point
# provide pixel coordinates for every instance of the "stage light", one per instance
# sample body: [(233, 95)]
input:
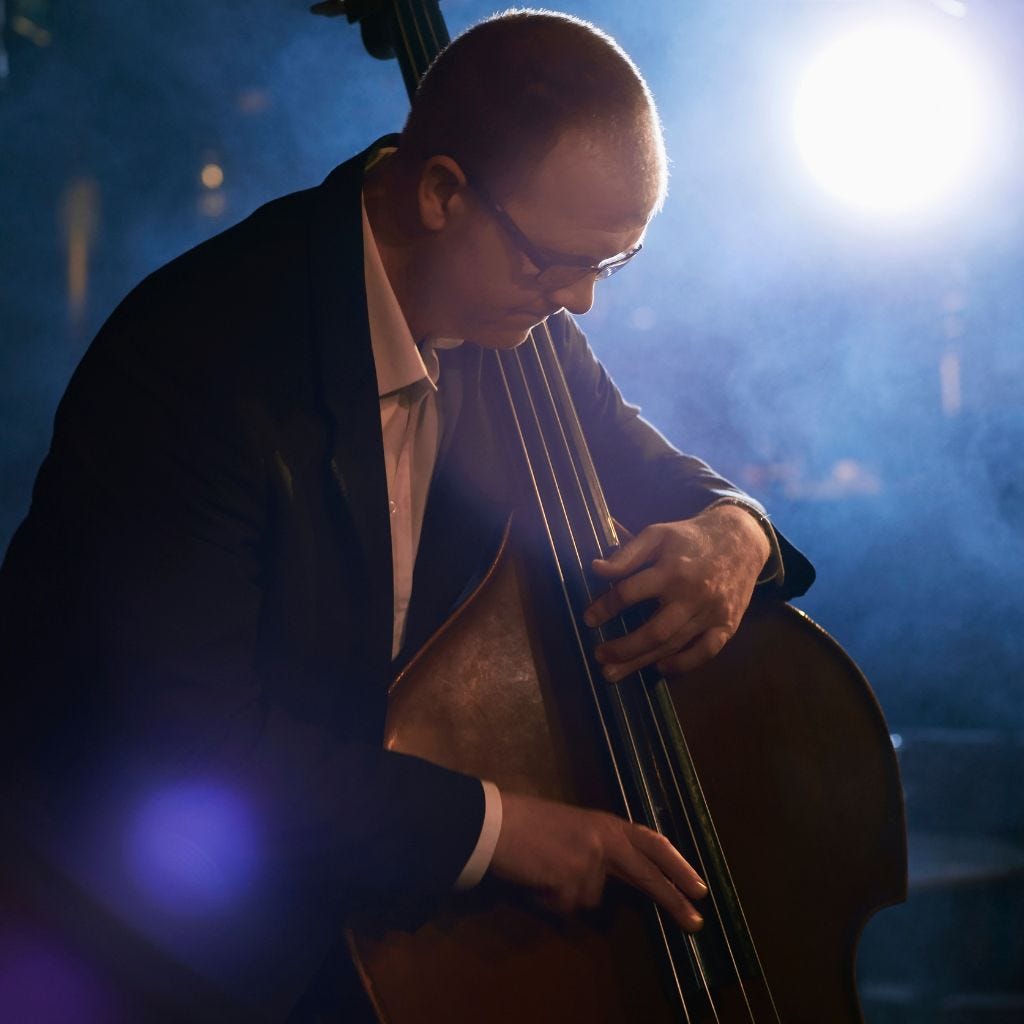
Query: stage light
[(892, 118)]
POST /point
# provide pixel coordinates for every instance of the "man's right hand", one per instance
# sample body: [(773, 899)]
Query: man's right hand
[(564, 854)]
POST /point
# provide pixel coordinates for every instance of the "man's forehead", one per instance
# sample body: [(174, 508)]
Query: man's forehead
[(588, 180)]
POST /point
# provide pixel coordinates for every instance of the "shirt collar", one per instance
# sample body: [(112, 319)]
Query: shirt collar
[(399, 361)]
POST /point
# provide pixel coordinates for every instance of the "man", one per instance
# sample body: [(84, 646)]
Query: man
[(231, 540)]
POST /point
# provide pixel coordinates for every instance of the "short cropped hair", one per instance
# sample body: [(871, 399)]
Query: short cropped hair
[(500, 96)]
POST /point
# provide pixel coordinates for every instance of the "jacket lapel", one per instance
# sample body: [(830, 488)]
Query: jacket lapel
[(341, 334)]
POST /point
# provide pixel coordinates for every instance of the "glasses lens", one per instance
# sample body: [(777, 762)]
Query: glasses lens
[(561, 275), (617, 264)]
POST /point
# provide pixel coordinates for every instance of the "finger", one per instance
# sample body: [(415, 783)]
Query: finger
[(668, 630), (641, 586), (623, 670), (631, 556), (639, 870), (676, 868), (695, 655)]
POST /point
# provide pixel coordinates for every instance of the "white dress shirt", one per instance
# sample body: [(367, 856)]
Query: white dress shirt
[(407, 383)]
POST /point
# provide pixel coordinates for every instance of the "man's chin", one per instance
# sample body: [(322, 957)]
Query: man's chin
[(508, 334), (504, 337)]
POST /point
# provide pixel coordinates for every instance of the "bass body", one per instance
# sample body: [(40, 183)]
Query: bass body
[(800, 779)]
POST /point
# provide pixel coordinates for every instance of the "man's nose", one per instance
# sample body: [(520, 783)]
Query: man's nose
[(577, 297)]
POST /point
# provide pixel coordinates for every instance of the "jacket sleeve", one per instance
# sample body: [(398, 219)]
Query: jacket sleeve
[(646, 478)]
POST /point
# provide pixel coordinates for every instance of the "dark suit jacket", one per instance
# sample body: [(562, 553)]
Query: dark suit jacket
[(201, 595)]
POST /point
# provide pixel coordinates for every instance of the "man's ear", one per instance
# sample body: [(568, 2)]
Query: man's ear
[(438, 192)]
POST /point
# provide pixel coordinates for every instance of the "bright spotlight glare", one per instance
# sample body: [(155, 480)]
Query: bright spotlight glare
[(891, 118)]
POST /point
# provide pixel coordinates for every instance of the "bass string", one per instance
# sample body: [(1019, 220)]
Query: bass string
[(411, 31), (546, 522), (606, 733), (592, 510), (629, 716), (623, 698), (665, 712), (633, 688), (618, 697), (564, 413), (725, 874)]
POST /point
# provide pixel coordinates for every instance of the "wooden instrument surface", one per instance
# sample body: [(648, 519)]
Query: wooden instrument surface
[(773, 723)]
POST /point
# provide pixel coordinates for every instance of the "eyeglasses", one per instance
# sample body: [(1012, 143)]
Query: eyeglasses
[(554, 269)]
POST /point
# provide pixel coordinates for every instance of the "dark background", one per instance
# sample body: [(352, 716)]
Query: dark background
[(793, 344)]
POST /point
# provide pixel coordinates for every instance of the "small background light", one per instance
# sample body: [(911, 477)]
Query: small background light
[(212, 176)]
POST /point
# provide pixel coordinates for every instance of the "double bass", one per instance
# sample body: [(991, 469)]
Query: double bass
[(770, 768)]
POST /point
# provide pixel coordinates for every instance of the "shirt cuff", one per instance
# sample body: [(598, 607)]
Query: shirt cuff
[(480, 859), (774, 570)]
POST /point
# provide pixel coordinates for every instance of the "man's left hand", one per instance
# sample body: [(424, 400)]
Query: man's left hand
[(701, 571)]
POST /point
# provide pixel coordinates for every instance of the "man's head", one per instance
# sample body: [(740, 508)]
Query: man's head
[(538, 160), (504, 92)]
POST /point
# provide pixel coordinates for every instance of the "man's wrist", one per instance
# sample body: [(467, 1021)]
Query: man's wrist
[(480, 859), (773, 571)]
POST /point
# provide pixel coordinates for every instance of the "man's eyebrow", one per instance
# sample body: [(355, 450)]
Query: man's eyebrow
[(588, 255)]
